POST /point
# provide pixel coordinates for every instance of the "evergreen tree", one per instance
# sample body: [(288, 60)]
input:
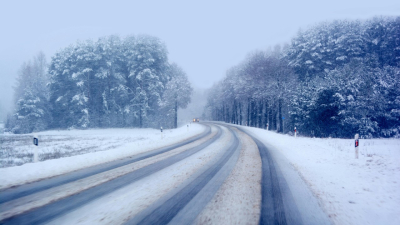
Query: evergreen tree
[(347, 82), (147, 64), (110, 82), (176, 94), (31, 98)]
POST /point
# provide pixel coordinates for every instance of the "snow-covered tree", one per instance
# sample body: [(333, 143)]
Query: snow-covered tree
[(110, 82), (147, 63), (31, 97), (255, 92), (346, 81), (177, 93), (71, 77)]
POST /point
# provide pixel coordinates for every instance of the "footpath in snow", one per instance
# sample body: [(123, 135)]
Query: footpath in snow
[(87, 147), (351, 191)]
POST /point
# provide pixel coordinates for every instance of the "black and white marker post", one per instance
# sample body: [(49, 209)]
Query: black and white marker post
[(356, 145), (295, 132), (266, 127), (161, 133), (36, 146)]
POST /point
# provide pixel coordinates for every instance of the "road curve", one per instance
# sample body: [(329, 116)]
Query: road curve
[(163, 213), (184, 202), (272, 208), (28, 189), (50, 211)]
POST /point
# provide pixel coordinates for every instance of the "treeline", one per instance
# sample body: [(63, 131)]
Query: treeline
[(112, 82), (334, 79)]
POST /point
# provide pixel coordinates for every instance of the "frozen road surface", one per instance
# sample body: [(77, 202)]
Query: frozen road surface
[(223, 175)]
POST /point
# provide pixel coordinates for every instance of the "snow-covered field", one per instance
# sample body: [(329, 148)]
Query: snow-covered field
[(351, 191), (76, 149)]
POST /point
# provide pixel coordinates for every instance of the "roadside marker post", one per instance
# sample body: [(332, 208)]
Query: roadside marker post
[(267, 127), (187, 127), (161, 133), (295, 132), (36, 146), (356, 145)]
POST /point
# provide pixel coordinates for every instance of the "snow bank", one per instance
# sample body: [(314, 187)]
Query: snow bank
[(126, 142), (351, 191)]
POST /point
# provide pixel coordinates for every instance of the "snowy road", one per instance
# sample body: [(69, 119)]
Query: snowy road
[(24, 190), (222, 176)]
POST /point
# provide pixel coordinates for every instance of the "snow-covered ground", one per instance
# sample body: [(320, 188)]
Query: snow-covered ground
[(76, 149), (351, 191)]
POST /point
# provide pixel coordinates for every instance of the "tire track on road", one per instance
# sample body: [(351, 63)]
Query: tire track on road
[(199, 192), (28, 189), (272, 204), (50, 211)]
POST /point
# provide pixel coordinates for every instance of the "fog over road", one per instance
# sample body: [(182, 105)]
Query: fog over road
[(221, 176)]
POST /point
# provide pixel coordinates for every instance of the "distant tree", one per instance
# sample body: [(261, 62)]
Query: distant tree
[(111, 90), (71, 77), (381, 36), (31, 97), (108, 83), (364, 99), (386, 101), (177, 93), (324, 47), (254, 93), (147, 65), (334, 79), (325, 113)]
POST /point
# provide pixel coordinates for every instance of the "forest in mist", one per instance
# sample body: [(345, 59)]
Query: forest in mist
[(334, 79), (112, 82)]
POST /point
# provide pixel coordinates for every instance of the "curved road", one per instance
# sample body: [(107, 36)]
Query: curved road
[(208, 159)]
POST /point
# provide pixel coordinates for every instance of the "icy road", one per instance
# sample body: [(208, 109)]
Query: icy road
[(223, 175)]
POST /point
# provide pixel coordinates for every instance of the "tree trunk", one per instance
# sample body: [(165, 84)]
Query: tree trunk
[(248, 113), (253, 113), (176, 114), (260, 111), (232, 114), (280, 117), (140, 117), (274, 117), (266, 114), (240, 113)]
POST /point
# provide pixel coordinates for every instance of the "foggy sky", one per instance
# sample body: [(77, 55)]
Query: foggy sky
[(204, 37)]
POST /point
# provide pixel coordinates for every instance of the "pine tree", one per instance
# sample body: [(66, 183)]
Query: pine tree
[(147, 64), (110, 82), (177, 93), (31, 95)]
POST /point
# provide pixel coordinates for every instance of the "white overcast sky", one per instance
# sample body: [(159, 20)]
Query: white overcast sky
[(204, 37)]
